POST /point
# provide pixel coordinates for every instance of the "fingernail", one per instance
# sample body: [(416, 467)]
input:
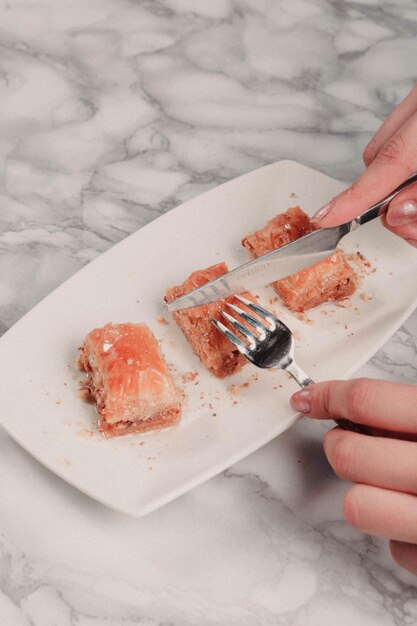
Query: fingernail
[(301, 401), (322, 212), (404, 213)]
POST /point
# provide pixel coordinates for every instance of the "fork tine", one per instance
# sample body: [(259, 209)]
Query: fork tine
[(241, 328), (262, 330), (240, 345), (267, 315)]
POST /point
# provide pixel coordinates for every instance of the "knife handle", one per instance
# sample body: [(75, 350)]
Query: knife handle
[(381, 207)]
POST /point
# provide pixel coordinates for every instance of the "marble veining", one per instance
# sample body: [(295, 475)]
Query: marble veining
[(111, 113)]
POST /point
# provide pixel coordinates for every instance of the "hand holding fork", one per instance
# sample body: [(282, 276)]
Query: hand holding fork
[(269, 345)]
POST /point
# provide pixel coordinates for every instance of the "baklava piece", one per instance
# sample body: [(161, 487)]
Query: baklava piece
[(212, 348), (128, 380), (330, 280), (281, 229)]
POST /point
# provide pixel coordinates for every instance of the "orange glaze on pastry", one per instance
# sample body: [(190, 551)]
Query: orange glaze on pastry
[(280, 230), (329, 280), (128, 379)]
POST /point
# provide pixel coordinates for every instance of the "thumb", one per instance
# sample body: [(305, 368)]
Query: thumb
[(401, 218), (402, 214)]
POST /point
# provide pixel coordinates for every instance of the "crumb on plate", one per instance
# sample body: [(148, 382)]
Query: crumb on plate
[(189, 377)]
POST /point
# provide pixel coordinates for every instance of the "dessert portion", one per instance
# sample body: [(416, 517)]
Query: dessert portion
[(281, 229), (128, 380), (329, 280), (212, 348)]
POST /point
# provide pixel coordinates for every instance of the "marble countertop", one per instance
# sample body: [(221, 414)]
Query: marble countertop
[(111, 113)]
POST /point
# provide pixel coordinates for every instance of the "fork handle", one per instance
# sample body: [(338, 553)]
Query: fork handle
[(303, 380), (299, 375)]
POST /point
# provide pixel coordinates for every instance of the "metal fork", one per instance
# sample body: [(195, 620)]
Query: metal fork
[(271, 346)]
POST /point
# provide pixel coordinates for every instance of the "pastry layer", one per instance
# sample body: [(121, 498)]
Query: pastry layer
[(281, 229), (330, 280), (128, 379), (213, 349)]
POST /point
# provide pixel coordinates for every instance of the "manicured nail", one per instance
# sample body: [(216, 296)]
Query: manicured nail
[(322, 212), (301, 401), (404, 213)]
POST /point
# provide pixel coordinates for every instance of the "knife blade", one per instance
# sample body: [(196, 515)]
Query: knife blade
[(272, 266), (283, 261)]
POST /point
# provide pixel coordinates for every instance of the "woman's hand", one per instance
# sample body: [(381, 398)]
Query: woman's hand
[(390, 157), (384, 500)]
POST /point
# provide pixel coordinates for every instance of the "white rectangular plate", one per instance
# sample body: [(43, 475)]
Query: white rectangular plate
[(39, 403)]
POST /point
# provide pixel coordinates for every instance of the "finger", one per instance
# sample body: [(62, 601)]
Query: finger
[(377, 461), (382, 512), (381, 404), (390, 126), (405, 554), (396, 160)]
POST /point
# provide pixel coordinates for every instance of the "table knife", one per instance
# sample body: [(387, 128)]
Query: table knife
[(283, 261)]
